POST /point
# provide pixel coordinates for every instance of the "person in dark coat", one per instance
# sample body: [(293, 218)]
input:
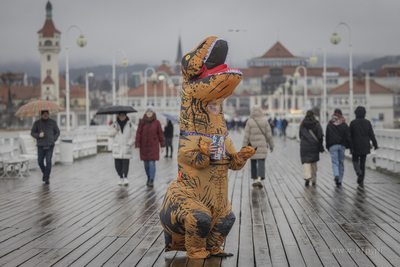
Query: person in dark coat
[(337, 140), (361, 134), (284, 125), (309, 146), (46, 133), (168, 134), (149, 138)]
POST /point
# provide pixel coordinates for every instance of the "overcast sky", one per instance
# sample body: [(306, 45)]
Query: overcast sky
[(148, 30)]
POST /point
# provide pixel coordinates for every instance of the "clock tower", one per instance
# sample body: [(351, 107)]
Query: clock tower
[(49, 48)]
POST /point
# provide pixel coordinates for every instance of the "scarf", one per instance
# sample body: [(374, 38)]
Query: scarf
[(337, 119), (122, 123)]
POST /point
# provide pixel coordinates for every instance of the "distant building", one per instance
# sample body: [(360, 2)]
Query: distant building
[(49, 48)]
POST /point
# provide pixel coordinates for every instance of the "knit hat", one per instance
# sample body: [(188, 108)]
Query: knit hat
[(360, 112), (43, 111), (150, 108)]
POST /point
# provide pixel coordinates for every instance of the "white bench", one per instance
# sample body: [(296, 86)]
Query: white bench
[(11, 160)]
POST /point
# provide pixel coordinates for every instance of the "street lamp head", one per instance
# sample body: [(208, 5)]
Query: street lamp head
[(81, 41), (154, 77), (335, 38), (287, 84), (125, 62), (296, 75), (90, 74), (161, 77), (313, 60), (171, 85)]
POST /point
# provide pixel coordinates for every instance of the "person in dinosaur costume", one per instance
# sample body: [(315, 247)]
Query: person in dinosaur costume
[(196, 213)]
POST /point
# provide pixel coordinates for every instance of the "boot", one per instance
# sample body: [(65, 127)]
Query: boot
[(307, 182), (257, 182), (166, 152), (148, 180), (151, 183), (171, 152)]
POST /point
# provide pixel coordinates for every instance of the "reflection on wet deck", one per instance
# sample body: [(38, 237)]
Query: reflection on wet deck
[(84, 219)]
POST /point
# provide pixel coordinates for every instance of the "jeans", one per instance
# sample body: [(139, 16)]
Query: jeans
[(258, 168), (122, 167), (150, 167), (337, 156), (359, 165), (284, 131), (42, 155)]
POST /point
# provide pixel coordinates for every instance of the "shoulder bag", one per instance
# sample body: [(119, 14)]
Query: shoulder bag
[(320, 146)]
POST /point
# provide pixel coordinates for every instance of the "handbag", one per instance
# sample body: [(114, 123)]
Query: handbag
[(320, 146)]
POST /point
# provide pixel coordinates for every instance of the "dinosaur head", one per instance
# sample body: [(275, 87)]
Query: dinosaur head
[(207, 81)]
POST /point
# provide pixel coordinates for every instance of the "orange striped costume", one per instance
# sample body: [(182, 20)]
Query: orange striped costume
[(196, 213)]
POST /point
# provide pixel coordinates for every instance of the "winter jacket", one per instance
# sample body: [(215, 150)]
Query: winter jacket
[(362, 133), (338, 135), (309, 147), (284, 123), (149, 137), (169, 130), (256, 136), (50, 129), (123, 140)]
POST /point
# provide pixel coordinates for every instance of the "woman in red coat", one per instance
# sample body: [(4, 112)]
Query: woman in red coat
[(149, 137)]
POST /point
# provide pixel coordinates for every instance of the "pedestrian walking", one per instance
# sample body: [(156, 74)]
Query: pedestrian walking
[(311, 138), (122, 132), (149, 138), (285, 123), (361, 135), (46, 133), (258, 132), (337, 139), (168, 134)]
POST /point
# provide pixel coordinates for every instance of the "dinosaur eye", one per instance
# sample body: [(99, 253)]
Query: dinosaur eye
[(187, 57)]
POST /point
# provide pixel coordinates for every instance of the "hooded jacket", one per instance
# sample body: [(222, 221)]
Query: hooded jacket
[(338, 133), (258, 133), (169, 130), (362, 133), (309, 148), (149, 137)]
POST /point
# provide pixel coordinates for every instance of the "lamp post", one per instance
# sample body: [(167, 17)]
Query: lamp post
[(313, 61), (81, 42), (163, 78), (335, 39), (124, 63), (154, 79), (297, 75), (88, 75), (145, 84)]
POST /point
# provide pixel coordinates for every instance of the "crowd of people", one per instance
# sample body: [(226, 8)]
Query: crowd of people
[(150, 140)]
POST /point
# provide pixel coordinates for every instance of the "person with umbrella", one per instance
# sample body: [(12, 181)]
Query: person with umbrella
[(122, 131), (46, 133), (149, 137)]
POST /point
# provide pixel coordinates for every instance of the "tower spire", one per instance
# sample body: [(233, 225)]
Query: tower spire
[(48, 10), (179, 54)]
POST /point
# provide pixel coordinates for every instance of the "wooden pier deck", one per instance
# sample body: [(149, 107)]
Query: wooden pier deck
[(84, 219)]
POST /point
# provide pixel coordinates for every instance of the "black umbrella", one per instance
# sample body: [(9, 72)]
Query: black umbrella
[(115, 110)]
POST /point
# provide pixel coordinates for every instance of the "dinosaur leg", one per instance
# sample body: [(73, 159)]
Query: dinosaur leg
[(218, 234), (197, 226)]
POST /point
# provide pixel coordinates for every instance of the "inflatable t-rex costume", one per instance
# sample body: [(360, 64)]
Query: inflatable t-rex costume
[(196, 213)]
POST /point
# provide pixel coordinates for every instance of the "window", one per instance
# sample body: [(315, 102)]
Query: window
[(48, 43), (246, 82), (331, 81), (392, 74), (309, 81), (48, 88), (47, 98), (381, 117), (48, 72), (56, 43), (48, 57), (75, 102)]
